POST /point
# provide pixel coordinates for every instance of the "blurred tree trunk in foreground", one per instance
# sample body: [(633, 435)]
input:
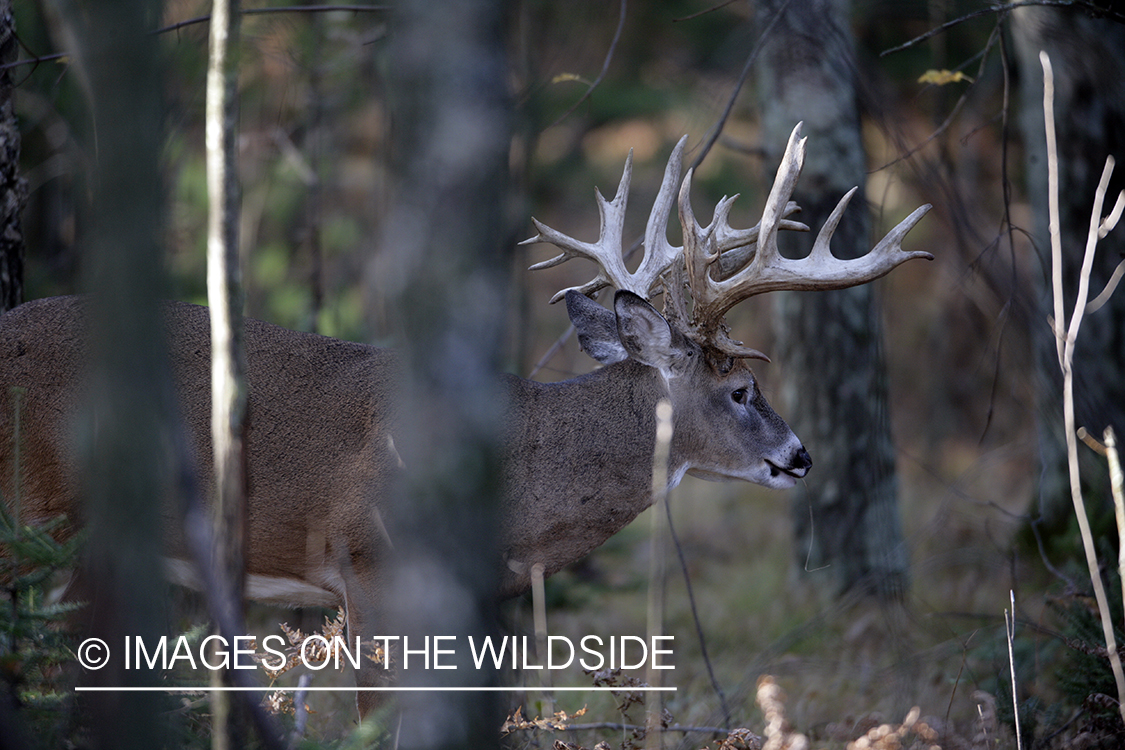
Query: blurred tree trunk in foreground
[(835, 392), (122, 431), (1089, 72), (13, 189), (228, 357), (441, 269)]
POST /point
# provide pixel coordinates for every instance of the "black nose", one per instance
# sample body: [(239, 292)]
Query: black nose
[(802, 460)]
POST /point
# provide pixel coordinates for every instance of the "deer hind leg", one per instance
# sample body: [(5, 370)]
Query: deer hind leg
[(363, 577), (376, 668)]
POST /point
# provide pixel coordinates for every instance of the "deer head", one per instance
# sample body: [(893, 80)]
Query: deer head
[(689, 345)]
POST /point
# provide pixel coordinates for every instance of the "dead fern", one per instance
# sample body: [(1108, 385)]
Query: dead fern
[(908, 735), (911, 734), (614, 678), (327, 644), (557, 723), (560, 745), (739, 739)]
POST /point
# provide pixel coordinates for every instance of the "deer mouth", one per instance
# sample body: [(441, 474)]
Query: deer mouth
[(776, 469)]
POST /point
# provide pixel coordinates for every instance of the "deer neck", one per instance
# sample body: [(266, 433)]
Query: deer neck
[(579, 465)]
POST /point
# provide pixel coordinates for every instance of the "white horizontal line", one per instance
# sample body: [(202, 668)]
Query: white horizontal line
[(412, 689)]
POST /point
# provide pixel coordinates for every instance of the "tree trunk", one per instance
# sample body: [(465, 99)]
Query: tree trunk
[(1089, 74), (228, 357), (13, 188), (846, 514), (441, 267), (123, 426)]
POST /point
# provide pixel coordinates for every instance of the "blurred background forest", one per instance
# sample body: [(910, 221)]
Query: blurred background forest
[(965, 378)]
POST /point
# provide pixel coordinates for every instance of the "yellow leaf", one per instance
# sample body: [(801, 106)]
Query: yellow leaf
[(564, 77), (942, 77)]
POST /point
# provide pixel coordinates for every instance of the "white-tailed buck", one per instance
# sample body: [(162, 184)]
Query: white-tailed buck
[(579, 452)]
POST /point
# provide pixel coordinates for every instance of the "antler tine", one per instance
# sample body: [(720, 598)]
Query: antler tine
[(821, 270), (714, 296), (607, 251), (831, 272), (660, 254), (737, 247)]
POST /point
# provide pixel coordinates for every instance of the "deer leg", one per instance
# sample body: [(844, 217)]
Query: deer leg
[(371, 673), (363, 578)]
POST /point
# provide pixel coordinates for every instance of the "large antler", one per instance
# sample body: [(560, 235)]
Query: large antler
[(660, 255), (715, 288), (724, 265), (607, 251)]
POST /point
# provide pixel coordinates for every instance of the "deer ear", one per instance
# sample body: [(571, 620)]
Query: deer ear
[(597, 328), (644, 333)]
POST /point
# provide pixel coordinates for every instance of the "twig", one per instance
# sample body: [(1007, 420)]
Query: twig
[(657, 564), (1002, 9), (617, 726), (1006, 227), (1067, 360), (1096, 303), (226, 615), (717, 128), (539, 617), (1010, 632), (1115, 484), (605, 67), (17, 393), (1053, 201), (695, 618), (552, 351), (983, 54), (300, 711), (284, 9), (35, 60), (206, 19), (704, 12), (1105, 228), (1091, 442), (960, 671)]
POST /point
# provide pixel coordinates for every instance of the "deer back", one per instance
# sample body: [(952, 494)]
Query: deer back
[(321, 415)]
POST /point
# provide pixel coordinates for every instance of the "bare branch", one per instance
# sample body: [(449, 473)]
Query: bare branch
[(37, 59), (717, 128), (1083, 4), (284, 9), (605, 67), (983, 54), (704, 12), (1066, 363), (1096, 303)]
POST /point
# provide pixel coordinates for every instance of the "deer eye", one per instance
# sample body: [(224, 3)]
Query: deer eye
[(739, 396)]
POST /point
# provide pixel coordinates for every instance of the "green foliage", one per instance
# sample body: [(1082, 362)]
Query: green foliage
[(1085, 671), (34, 644)]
